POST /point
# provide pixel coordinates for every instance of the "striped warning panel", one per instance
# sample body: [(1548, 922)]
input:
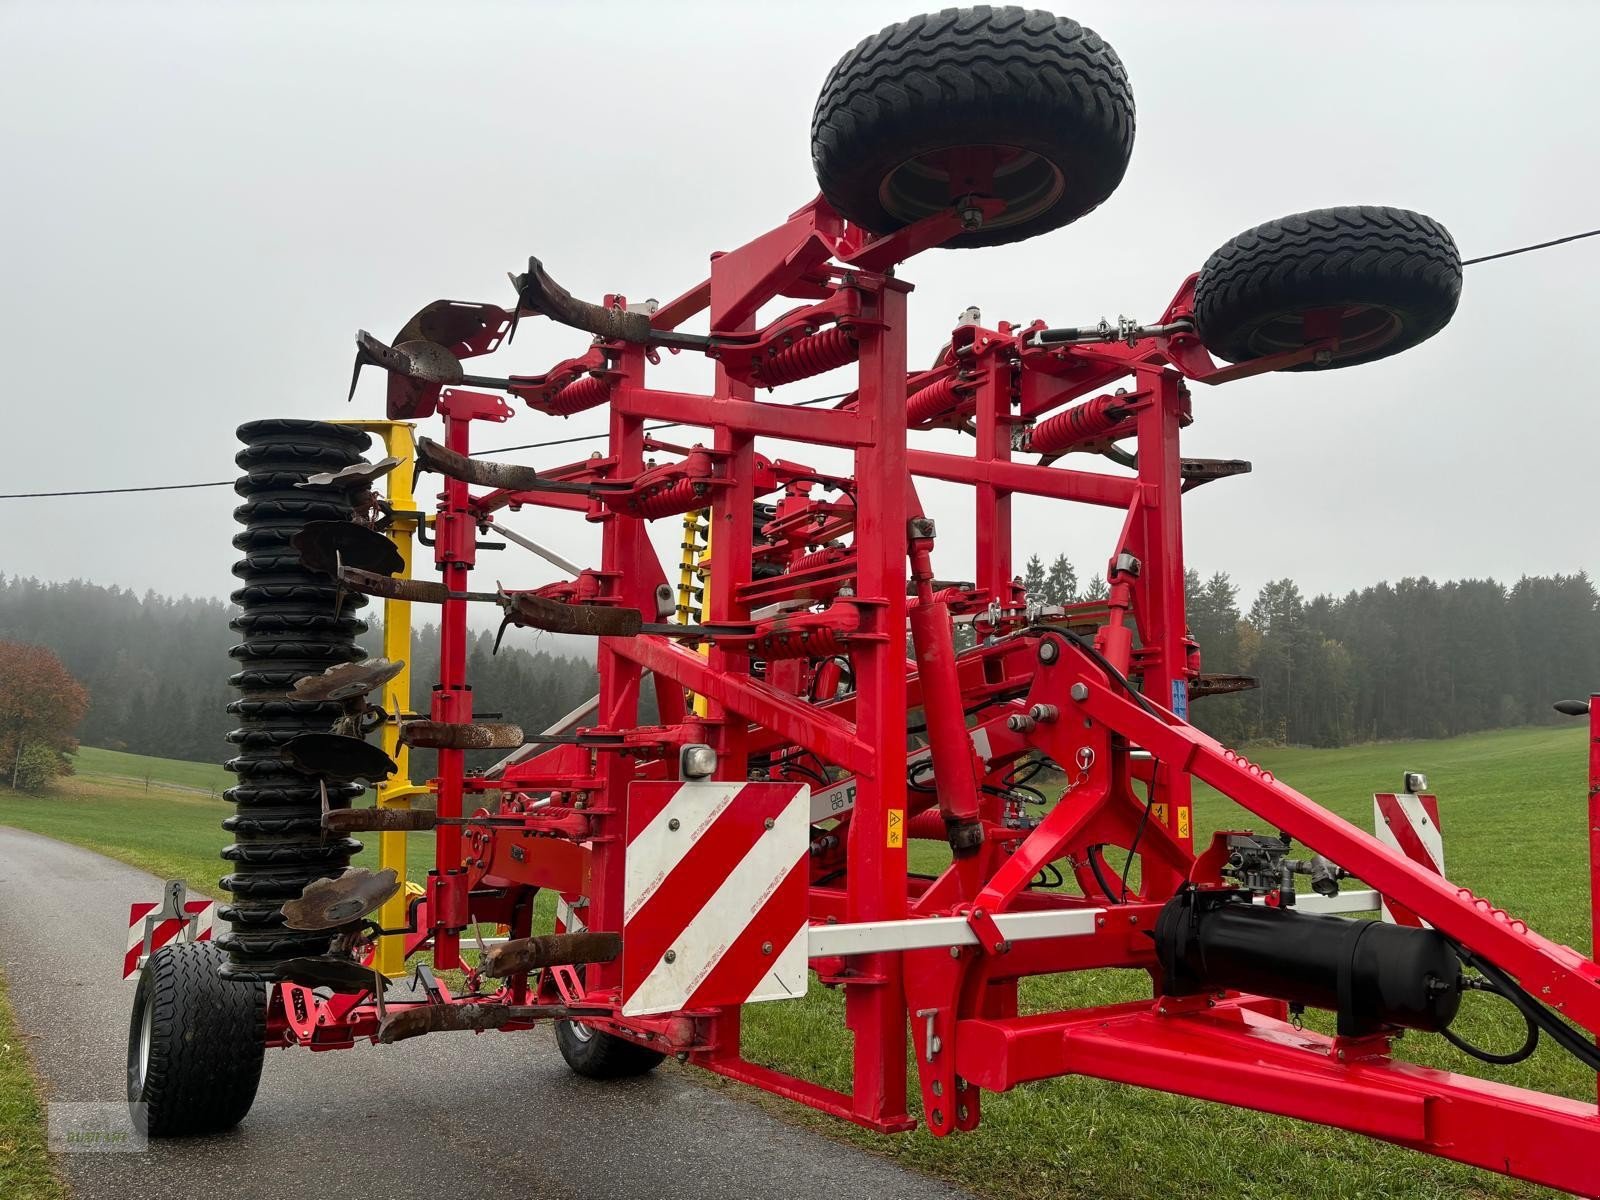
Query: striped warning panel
[(1409, 824), (152, 926), (715, 895)]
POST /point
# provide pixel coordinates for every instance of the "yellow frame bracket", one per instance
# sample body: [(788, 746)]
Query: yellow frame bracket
[(400, 441)]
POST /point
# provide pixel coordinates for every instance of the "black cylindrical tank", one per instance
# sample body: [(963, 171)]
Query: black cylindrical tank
[(1370, 973)]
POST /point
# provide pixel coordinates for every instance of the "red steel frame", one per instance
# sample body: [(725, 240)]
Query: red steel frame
[(1028, 686)]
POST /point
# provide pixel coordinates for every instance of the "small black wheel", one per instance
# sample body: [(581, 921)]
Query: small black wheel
[(597, 1055), (1388, 277), (1008, 103), (195, 1043)]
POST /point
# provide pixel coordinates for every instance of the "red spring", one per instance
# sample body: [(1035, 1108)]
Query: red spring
[(806, 635), (679, 497), (935, 400), (816, 642), (818, 558), (810, 356), (581, 394), (1086, 422)]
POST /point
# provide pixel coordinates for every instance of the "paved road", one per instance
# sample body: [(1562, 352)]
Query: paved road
[(320, 1126)]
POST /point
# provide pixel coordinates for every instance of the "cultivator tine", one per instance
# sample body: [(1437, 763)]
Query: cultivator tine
[(425, 361), (511, 477), (361, 474), (370, 583), (442, 1018), (537, 292), (521, 955), (1196, 471), (441, 735), (380, 820), (343, 900), (329, 546), (338, 757), (347, 680), (590, 620), (339, 974)]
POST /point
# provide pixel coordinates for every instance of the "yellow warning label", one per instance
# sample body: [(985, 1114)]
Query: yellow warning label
[(1159, 812), (1183, 821), (897, 828)]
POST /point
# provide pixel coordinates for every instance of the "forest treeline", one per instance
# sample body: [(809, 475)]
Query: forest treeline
[(1410, 659), (1413, 659), (157, 668)]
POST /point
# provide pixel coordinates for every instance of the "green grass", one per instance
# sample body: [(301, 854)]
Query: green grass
[(1513, 813), (141, 767), (25, 1168)]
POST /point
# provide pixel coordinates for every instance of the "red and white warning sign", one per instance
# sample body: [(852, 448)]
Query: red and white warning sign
[(152, 926), (1409, 823), (715, 895)]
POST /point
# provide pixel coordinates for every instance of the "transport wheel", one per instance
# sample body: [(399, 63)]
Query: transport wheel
[(1010, 103), (1394, 277), (195, 1043), (598, 1055)]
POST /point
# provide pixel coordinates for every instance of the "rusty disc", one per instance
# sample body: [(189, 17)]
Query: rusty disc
[(335, 756), (340, 974), (324, 545), (348, 680), (330, 903)]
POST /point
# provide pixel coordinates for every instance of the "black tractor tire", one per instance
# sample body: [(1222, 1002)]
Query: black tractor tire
[(195, 1043), (1043, 88), (597, 1055), (1396, 275)]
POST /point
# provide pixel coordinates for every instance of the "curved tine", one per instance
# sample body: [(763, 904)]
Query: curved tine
[(537, 292), (511, 477)]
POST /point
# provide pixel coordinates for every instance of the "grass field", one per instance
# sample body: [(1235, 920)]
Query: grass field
[(1513, 813), (25, 1169)]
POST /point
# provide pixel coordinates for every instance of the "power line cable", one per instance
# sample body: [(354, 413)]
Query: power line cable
[(158, 487), (596, 437), (1575, 237)]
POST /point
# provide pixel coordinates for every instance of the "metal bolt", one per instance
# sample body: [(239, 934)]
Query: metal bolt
[(671, 956), (1049, 651), (1003, 946), (769, 823), (1079, 692), (682, 1056), (766, 947), (673, 824), (971, 217), (955, 951)]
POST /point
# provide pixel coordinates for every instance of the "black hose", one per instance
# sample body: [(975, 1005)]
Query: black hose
[(1535, 1013), (1099, 877)]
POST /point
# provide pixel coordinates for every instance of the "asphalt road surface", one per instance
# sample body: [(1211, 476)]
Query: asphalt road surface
[(458, 1114)]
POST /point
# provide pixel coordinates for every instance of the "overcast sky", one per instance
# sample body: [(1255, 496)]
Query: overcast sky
[(203, 203)]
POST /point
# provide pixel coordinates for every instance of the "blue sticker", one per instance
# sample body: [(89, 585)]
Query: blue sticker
[(1180, 698)]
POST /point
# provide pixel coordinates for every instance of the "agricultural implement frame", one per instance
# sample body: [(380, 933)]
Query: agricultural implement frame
[(822, 663)]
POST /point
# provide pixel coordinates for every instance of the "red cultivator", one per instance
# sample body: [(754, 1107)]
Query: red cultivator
[(826, 698)]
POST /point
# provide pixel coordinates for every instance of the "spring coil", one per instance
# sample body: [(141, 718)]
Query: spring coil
[(817, 558), (578, 396), (817, 641), (935, 400), (1086, 422), (675, 498), (810, 356)]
